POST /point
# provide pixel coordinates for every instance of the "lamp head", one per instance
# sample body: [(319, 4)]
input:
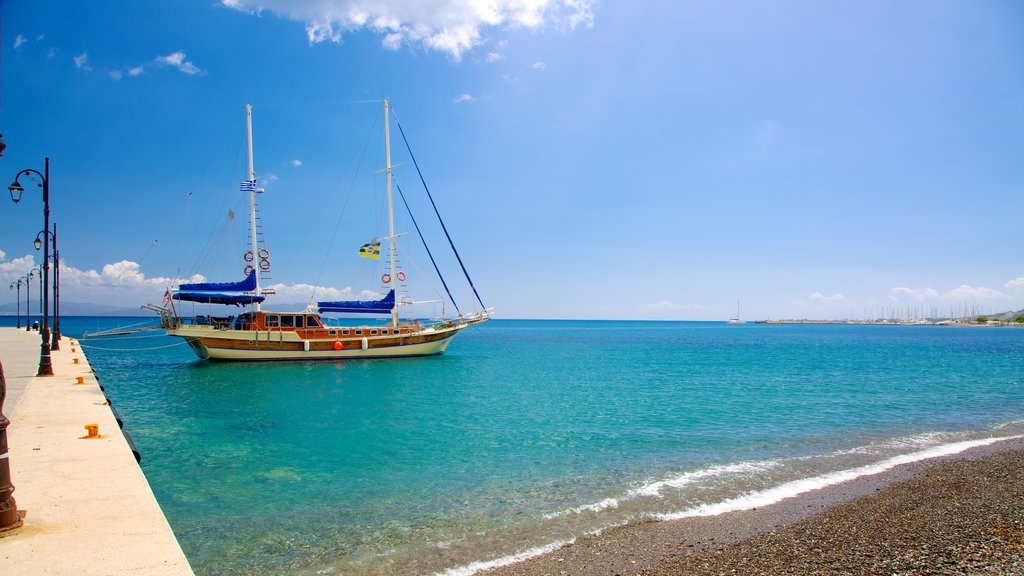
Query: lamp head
[(16, 191), (38, 243)]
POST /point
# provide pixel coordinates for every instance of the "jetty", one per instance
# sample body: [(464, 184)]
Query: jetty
[(87, 507)]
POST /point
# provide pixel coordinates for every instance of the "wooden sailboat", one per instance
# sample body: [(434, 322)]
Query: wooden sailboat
[(259, 334)]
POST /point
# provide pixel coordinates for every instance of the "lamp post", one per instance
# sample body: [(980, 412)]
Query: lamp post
[(18, 299), (45, 366), (28, 299), (55, 342)]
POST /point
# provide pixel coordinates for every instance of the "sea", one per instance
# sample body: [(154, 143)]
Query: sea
[(529, 434)]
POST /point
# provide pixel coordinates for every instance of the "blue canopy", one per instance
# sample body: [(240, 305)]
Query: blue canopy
[(360, 306), (247, 285), (216, 298)]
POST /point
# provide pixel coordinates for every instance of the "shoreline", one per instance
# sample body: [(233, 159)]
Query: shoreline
[(714, 544)]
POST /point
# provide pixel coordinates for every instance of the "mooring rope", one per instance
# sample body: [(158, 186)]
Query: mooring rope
[(131, 349)]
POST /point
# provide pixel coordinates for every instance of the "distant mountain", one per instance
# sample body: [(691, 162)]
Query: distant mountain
[(80, 309)]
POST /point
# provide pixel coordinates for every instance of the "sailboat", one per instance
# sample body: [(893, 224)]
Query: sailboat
[(259, 334), (738, 319)]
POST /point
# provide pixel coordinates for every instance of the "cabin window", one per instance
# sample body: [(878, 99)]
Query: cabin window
[(287, 321), (272, 321), (373, 332), (359, 332), (313, 322), (332, 332), (344, 332), (384, 331)]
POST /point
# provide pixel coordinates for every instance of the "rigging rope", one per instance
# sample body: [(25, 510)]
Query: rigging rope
[(436, 269), (443, 227)]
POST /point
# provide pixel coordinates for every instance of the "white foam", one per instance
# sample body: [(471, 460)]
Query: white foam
[(654, 488), (596, 507), (790, 489), (473, 568)]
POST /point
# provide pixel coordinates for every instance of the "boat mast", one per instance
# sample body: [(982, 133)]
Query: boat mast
[(252, 203), (391, 213)]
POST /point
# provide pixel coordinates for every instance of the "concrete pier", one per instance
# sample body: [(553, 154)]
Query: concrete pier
[(89, 508)]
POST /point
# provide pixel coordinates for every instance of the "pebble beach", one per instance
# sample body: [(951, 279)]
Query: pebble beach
[(962, 514)]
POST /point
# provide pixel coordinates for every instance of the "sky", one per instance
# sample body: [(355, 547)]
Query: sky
[(591, 159)]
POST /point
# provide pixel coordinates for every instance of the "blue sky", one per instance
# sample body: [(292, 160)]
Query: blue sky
[(648, 160)]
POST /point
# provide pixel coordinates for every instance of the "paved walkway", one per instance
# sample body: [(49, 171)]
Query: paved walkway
[(90, 509)]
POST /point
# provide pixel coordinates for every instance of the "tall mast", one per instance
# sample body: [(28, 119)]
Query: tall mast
[(252, 203), (391, 213)]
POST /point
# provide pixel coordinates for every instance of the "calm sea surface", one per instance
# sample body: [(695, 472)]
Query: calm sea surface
[(529, 433)]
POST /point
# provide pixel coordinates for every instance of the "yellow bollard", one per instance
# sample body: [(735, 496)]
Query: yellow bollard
[(93, 432), (72, 349), (79, 379), (75, 360)]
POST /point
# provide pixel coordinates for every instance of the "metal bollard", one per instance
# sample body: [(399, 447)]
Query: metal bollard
[(9, 516)]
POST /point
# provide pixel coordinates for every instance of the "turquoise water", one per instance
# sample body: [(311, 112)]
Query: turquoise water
[(528, 433)]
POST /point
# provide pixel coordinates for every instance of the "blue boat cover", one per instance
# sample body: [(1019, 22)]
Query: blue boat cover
[(217, 298), (360, 306), (247, 285)]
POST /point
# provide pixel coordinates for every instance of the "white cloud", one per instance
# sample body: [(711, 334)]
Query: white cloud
[(819, 298), (1015, 284), (135, 71), (972, 294), (115, 74), (494, 56), (666, 306), (463, 98), (450, 26), (900, 293), (963, 293), (295, 163), (177, 60), (18, 41), (82, 62), (51, 53), (538, 66), (10, 271)]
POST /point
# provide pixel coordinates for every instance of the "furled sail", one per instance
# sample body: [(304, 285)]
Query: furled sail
[(247, 285), (360, 306), (217, 298)]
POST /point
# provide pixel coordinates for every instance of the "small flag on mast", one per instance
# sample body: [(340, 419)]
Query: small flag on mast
[(370, 250), (248, 186)]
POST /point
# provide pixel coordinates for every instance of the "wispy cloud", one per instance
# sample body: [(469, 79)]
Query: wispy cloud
[(538, 66), (177, 60), (18, 41), (464, 98), (82, 62), (450, 26), (295, 163), (819, 298), (962, 293), (1015, 284)]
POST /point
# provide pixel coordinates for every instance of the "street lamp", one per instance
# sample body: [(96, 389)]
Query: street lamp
[(28, 299), (45, 366), (18, 299), (55, 341), (38, 243)]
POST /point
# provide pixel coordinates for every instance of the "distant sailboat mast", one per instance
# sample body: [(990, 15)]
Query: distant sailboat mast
[(252, 202)]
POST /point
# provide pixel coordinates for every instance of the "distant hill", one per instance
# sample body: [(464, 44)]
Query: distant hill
[(81, 309)]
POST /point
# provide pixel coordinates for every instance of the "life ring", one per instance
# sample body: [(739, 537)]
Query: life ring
[(264, 264), (264, 253), (248, 256), (248, 269), (400, 276), (337, 345), (386, 278)]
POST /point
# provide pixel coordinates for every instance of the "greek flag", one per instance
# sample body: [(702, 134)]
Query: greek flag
[(248, 186), (371, 250)]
